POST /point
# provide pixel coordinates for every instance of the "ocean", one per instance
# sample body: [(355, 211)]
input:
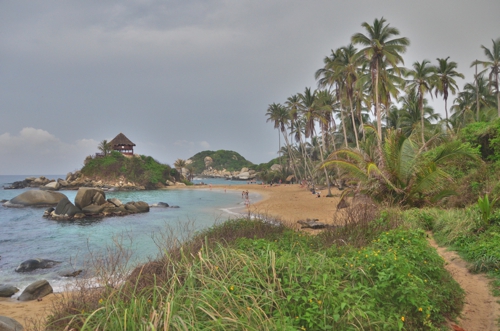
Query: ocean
[(25, 234)]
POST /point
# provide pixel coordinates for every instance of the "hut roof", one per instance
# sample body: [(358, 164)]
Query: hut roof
[(120, 140)]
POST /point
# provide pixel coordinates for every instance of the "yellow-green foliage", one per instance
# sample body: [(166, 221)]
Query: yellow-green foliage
[(291, 282)]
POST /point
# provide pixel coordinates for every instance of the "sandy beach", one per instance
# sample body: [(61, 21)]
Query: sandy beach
[(288, 203)]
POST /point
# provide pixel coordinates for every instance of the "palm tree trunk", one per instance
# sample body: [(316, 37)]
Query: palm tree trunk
[(343, 126), (326, 173), (420, 106), (290, 155), (354, 123), (377, 108)]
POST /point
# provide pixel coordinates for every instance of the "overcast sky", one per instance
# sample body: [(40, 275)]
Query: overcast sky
[(180, 77)]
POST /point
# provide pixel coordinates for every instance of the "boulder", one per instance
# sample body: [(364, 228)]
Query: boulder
[(244, 170), (142, 207), (65, 207), (276, 167), (33, 264), (35, 198), (244, 175), (160, 204), (38, 289), (10, 324), (6, 291), (93, 209), (89, 196), (48, 212), (52, 186), (180, 184), (130, 207), (71, 273), (115, 202), (169, 183)]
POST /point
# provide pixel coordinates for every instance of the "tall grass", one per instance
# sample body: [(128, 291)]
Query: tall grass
[(251, 275)]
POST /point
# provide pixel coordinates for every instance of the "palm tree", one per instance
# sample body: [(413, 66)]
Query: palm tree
[(179, 164), (347, 66), (409, 113), (293, 104), (380, 51), (445, 80), (105, 147), (422, 82), (477, 95), (277, 113), (313, 110), (407, 175), (493, 64)]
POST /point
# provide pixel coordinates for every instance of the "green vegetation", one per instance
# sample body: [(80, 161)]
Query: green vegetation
[(143, 170), (222, 159), (249, 275)]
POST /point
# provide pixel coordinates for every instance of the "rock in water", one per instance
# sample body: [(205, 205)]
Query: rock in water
[(35, 198), (33, 264), (65, 207), (38, 289), (10, 324), (6, 291), (89, 196)]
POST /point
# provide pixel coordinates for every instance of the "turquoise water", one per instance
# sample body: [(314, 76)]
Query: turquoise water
[(25, 234)]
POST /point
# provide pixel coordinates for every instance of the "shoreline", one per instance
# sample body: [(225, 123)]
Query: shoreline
[(286, 203)]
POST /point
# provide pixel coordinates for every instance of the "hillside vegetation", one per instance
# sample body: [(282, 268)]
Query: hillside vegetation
[(221, 159), (142, 170)]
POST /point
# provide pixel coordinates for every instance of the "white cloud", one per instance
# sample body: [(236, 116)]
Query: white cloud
[(36, 151), (204, 144)]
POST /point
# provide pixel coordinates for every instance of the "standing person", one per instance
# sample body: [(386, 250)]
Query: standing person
[(242, 194)]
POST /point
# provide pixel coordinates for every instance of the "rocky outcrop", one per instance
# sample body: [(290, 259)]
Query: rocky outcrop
[(76, 180), (38, 289), (6, 291), (35, 198), (91, 202), (243, 174), (10, 324)]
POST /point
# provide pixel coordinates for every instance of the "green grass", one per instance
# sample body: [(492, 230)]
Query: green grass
[(248, 275)]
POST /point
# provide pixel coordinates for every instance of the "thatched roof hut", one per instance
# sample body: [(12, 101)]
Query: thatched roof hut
[(122, 144)]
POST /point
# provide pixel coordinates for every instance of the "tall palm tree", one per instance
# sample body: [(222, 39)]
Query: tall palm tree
[(278, 114), (297, 124), (409, 113), (478, 96), (445, 80), (380, 51), (347, 67), (422, 80), (493, 64), (314, 111)]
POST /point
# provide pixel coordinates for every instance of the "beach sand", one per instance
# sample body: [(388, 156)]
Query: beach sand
[(288, 203)]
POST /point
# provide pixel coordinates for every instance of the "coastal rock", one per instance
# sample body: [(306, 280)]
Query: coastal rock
[(10, 324), (115, 202), (52, 186), (244, 169), (71, 273), (169, 183), (244, 175), (93, 209), (35, 198), (131, 207), (65, 207), (208, 161), (160, 204), (312, 224), (48, 212), (33, 264), (36, 290), (142, 207), (89, 196), (6, 291)]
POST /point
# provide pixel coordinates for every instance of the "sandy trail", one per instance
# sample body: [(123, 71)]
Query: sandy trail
[(481, 309)]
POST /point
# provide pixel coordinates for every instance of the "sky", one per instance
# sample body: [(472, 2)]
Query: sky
[(180, 77)]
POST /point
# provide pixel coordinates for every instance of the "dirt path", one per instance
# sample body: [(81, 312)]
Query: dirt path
[(481, 310)]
